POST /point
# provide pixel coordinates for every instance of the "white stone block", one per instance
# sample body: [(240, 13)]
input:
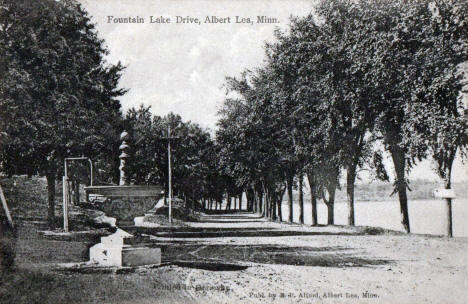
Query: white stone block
[(103, 219), (109, 255), (116, 238), (112, 251), (140, 222), (138, 256), (106, 255)]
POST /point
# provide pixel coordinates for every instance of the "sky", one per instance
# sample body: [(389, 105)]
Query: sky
[(181, 67)]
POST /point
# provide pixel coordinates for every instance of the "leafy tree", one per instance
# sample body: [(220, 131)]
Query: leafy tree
[(57, 94), (191, 146), (306, 72), (436, 111), (411, 63), (252, 140), (337, 81)]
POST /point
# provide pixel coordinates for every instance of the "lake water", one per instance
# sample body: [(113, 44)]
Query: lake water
[(426, 216)]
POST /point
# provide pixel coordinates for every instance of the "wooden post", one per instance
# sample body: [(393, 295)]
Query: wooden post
[(449, 218), (447, 194), (65, 202), (5, 207)]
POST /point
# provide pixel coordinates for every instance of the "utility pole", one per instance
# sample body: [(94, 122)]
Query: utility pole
[(170, 170), (169, 166)]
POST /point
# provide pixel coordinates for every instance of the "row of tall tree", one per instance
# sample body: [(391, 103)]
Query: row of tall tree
[(59, 99), (337, 87), (193, 159), (337, 84)]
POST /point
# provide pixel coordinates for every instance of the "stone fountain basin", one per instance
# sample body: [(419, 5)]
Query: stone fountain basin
[(126, 191), (125, 202)]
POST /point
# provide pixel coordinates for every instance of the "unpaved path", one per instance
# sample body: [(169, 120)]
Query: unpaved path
[(243, 259)]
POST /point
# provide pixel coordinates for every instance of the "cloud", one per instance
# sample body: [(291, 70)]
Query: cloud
[(182, 67)]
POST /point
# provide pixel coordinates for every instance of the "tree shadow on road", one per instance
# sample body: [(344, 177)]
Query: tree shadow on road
[(197, 254), (212, 266), (195, 232)]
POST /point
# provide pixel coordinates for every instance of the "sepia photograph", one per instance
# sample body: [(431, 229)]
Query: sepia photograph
[(234, 151)]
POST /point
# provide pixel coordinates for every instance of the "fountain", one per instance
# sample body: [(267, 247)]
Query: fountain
[(124, 202)]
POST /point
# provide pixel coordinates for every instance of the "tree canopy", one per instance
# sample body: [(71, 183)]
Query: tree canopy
[(58, 94)]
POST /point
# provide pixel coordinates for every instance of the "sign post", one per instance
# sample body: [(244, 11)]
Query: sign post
[(448, 195)]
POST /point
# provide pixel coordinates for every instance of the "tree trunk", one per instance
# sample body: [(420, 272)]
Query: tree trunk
[(279, 204), (398, 157), (301, 199), (240, 202), (331, 216), (256, 198), (260, 203), (350, 180), (267, 198), (51, 198), (273, 208), (290, 181), (250, 201), (76, 192), (193, 199), (314, 209), (313, 198), (331, 189)]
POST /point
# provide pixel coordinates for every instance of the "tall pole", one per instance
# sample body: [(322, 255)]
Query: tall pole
[(449, 217), (65, 197), (449, 207), (169, 169), (65, 203)]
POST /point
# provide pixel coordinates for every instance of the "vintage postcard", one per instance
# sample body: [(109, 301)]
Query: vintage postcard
[(196, 151)]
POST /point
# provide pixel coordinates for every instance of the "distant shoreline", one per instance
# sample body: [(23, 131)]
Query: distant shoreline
[(389, 200)]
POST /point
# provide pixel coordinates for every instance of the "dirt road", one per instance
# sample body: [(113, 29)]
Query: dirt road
[(243, 259)]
